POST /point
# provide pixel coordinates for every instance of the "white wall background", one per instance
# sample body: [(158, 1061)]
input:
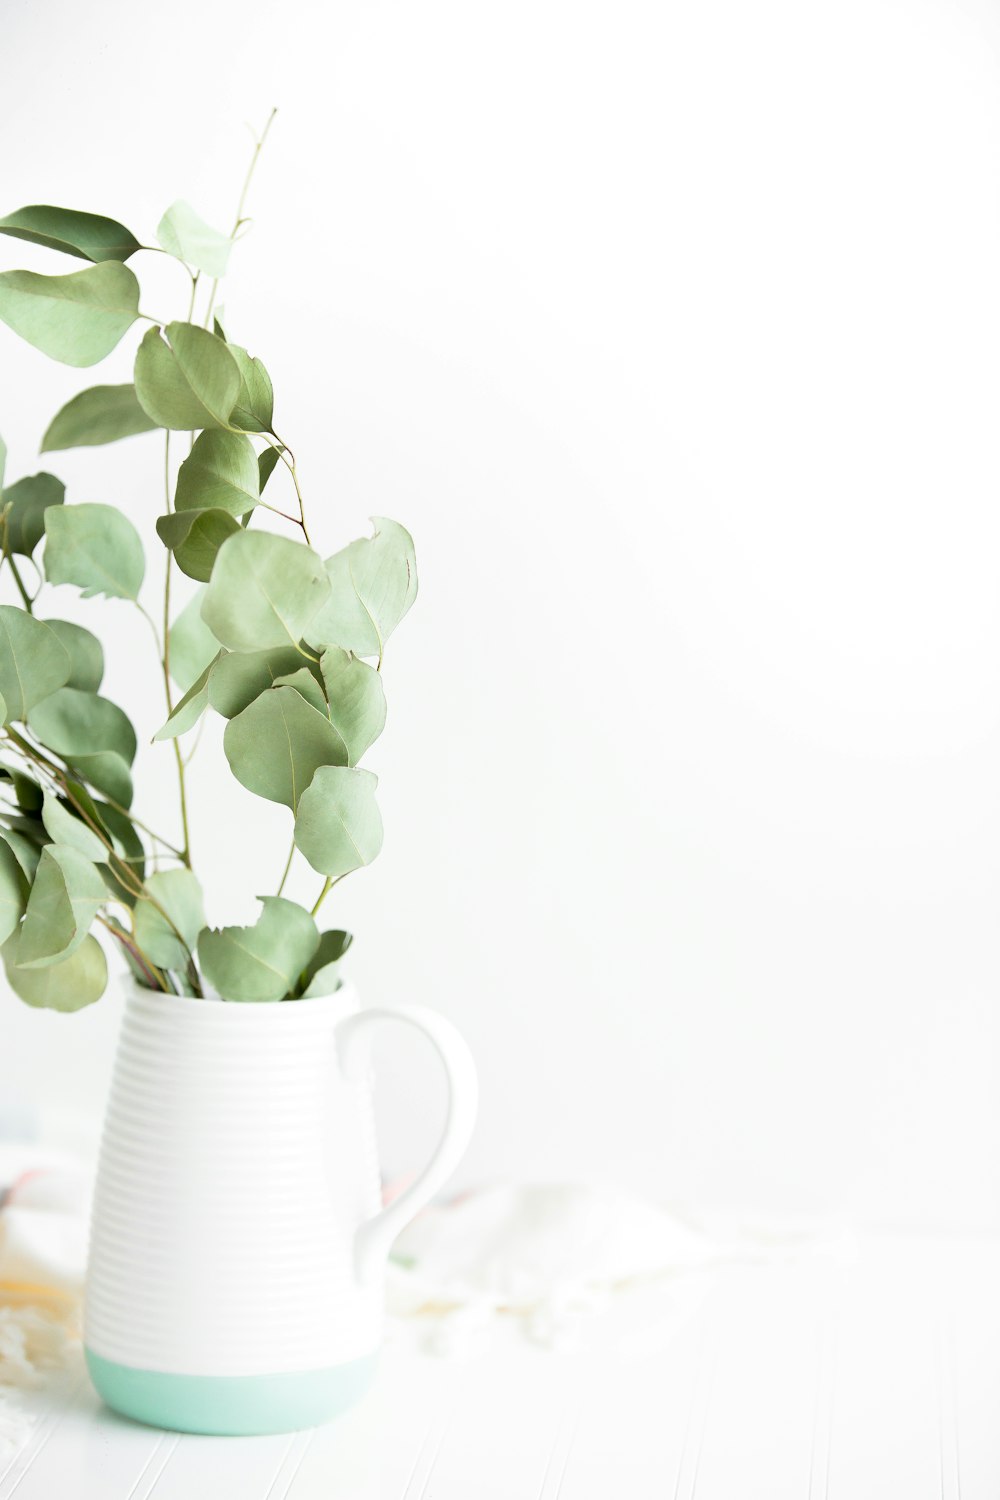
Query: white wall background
[(672, 330)]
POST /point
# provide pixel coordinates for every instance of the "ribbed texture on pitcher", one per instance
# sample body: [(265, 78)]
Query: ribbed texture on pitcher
[(222, 1235)]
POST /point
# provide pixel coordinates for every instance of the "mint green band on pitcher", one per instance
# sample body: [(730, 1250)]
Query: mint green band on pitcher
[(231, 1405)]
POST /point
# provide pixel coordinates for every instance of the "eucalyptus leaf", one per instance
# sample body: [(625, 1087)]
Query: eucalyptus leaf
[(186, 713), (103, 414), (190, 382), (275, 746), (194, 537), (33, 661), (267, 462), (254, 409), (262, 962), (338, 826), (356, 698), (25, 851), (219, 472), (66, 895), (307, 684), (184, 234), (128, 846), (178, 893), (29, 794), (66, 828), (86, 655), (68, 985), (88, 236), (94, 547), (265, 591), (76, 319), (241, 676), (13, 891), (192, 644), (25, 504), (74, 723), (322, 974), (373, 584), (107, 772)]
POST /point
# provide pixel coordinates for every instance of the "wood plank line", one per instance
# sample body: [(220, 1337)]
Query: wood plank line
[(826, 1388), (170, 1445), (433, 1442), (559, 1455), (706, 1365), (944, 1365), (40, 1437), (290, 1465)]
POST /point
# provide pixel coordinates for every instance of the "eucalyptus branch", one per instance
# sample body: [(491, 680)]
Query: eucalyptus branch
[(288, 866), (327, 888), (127, 941), (258, 148), (9, 557), (163, 652)]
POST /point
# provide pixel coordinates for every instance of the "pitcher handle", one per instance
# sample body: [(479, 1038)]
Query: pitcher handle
[(373, 1239)]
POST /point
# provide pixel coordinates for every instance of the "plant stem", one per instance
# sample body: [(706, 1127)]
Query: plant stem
[(258, 147), (28, 601), (327, 888), (288, 459), (163, 652), (153, 974), (288, 866), (194, 289)]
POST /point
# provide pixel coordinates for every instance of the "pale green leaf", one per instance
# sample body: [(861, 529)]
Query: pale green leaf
[(373, 584), (65, 828), (33, 661), (24, 851), (262, 962), (192, 644), (190, 382), (356, 698), (74, 723), (267, 462), (69, 985), (66, 895), (194, 537), (107, 772), (76, 319), (103, 414), (25, 504), (13, 891), (94, 547), (178, 893), (241, 676), (87, 236), (274, 746), (307, 684), (186, 713), (86, 655), (265, 590), (220, 472), (184, 234), (338, 826), (254, 409), (322, 973)]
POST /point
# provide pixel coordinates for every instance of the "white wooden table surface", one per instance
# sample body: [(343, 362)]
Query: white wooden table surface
[(813, 1380)]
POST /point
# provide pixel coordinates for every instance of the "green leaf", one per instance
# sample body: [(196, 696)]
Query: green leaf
[(24, 851), (183, 234), (107, 772), (260, 962), (66, 895), (338, 826), (191, 382), (28, 793), (94, 547), (74, 723), (86, 655), (128, 846), (76, 319), (322, 973), (264, 591), (306, 683), (33, 661), (66, 828), (194, 537), (103, 414), (179, 894), (189, 710), (357, 700), (219, 473), (68, 985), (13, 891), (275, 746), (192, 644), (374, 583), (88, 236), (241, 676), (254, 409), (25, 504), (267, 462)]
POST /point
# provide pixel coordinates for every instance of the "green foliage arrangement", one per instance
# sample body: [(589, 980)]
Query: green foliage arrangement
[(283, 643)]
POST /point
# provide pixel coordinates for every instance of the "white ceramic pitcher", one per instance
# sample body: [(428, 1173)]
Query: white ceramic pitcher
[(238, 1245)]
